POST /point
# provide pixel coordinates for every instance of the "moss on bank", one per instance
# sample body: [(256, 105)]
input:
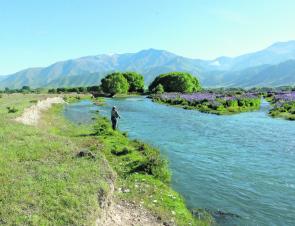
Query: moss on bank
[(44, 182)]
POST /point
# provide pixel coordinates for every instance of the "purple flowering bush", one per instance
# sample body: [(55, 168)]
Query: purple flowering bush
[(283, 105), (211, 102)]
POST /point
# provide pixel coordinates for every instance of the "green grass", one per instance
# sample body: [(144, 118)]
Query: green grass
[(72, 98), (122, 95), (43, 182)]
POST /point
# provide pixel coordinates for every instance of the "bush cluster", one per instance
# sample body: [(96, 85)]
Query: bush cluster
[(182, 82), (286, 110), (24, 89), (120, 83), (114, 83), (217, 105), (12, 109), (75, 89)]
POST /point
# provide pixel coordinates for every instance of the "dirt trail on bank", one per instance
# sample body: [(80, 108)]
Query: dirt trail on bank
[(125, 213), (31, 115)]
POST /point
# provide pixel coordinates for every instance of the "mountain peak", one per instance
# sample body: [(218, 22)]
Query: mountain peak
[(149, 62), (287, 46), (155, 52)]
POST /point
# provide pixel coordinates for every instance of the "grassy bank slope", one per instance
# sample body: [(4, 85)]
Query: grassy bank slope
[(44, 182)]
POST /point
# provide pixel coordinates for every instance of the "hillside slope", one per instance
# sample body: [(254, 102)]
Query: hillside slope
[(223, 71), (264, 75)]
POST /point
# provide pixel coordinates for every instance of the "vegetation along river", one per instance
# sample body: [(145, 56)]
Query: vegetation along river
[(242, 164)]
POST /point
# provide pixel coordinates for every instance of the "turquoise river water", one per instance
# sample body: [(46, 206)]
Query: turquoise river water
[(242, 164)]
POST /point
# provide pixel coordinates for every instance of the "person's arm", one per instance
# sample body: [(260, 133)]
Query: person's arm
[(118, 116)]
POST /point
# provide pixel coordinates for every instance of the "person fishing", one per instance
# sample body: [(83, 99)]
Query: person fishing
[(114, 117)]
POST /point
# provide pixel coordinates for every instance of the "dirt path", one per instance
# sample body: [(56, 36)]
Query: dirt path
[(31, 115), (125, 213)]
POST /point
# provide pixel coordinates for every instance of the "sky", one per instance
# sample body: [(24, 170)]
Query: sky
[(36, 33)]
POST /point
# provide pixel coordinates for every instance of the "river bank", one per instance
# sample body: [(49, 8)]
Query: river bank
[(58, 172), (283, 105), (213, 103)]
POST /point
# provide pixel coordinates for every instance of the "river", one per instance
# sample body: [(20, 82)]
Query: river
[(242, 164)]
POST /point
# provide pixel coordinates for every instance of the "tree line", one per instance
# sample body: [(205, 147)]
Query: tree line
[(133, 82)]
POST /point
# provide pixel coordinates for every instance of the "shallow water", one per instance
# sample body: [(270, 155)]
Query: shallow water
[(242, 164)]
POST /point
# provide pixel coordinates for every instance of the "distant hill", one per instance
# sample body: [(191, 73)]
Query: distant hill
[(272, 66), (3, 77), (264, 75), (149, 62)]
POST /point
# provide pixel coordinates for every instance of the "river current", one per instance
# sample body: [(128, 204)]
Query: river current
[(242, 164)]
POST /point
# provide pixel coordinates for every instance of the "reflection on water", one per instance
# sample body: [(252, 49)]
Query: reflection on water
[(242, 164)]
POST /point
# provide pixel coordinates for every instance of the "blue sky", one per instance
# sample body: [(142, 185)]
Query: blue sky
[(38, 33)]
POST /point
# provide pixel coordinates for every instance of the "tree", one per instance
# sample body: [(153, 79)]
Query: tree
[(81, 89), (93, 89), (27, 88), (135, 81), (61, 90), (114, 83), (158, 89), (177, 82), (52, 91)]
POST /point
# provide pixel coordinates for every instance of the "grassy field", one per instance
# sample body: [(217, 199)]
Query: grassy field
[(43, 182)]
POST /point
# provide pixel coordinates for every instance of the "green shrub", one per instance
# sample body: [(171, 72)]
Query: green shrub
[(102, 127), (52, 91), (135, 81), (140, 146), (176, 82), (292, 111), (220, 108), (158, 89), (12, 110), (232, 103), (158, 165), (123, 151), (115, 83)]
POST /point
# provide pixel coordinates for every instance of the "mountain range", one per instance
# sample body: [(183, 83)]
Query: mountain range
[(273, 66)]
